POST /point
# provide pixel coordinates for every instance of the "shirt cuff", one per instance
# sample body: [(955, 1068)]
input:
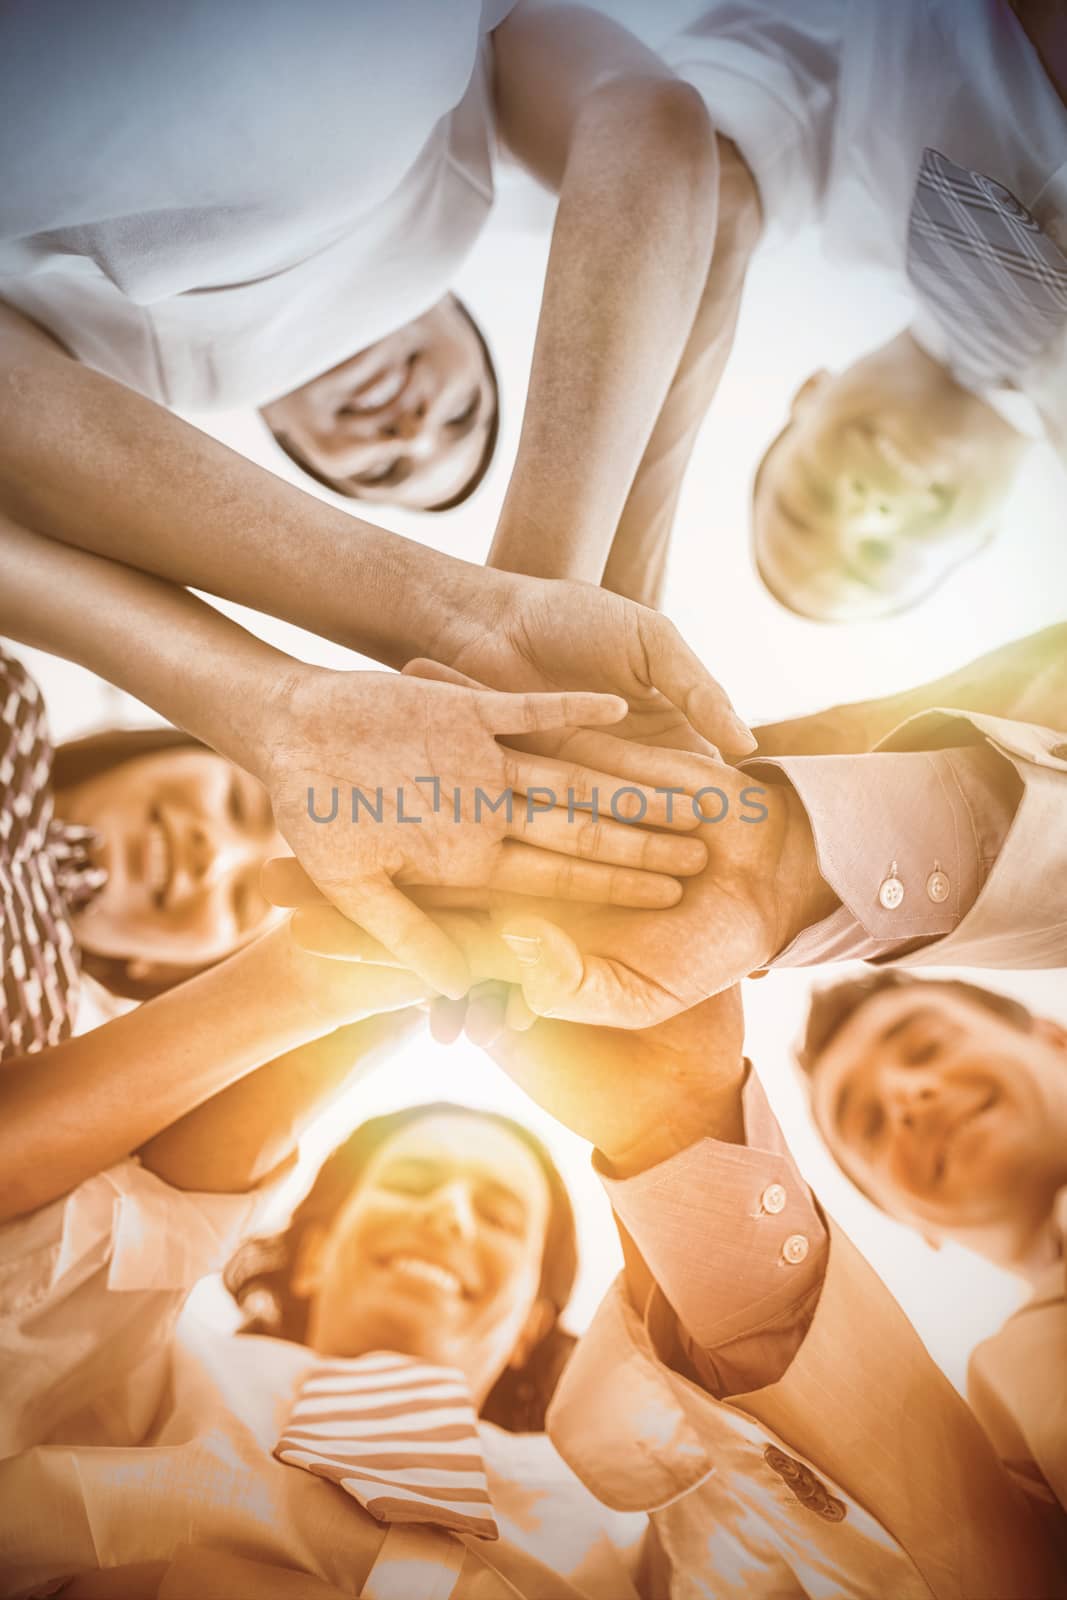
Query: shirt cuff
[(905, 839), (730, 1232), (149, 1235)]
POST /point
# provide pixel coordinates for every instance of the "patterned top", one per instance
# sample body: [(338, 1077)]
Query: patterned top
[(45, 873)]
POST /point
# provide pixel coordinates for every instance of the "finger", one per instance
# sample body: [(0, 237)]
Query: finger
[(522, 869), (570, 784), (558, 982), (400, 935), (486, 1014), (285, 883), (649, 767), (387, 914), (323, 931), (595, 838), (678, 672), (518, 1016), (437, 672), (526, 713), (446, 1019)]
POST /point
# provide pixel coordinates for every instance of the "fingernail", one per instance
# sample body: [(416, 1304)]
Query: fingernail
[(746, 739), (527, 951)]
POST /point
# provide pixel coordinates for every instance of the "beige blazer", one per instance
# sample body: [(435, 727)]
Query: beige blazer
[(1018, 1382), (861, 1473)]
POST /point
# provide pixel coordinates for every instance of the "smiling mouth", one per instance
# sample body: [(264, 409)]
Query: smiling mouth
[(419, 1269), (158, 858), (379, 392), (940, 1166)]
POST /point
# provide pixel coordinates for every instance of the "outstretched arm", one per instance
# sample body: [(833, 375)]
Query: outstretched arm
[(89, 463), (1024, 681), (632, 154), (75, 1109), (316, 737), (242, 1135)]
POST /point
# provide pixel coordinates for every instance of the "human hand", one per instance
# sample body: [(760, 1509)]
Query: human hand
[(632, 969), (336, 993), (357, 764), (544, 634), (641, 1095)]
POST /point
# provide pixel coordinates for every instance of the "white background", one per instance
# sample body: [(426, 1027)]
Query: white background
[(799, 314)]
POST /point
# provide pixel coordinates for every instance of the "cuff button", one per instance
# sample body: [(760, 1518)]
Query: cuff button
[(773, 1199), (795, 1249), (890, 893), (938, 886)]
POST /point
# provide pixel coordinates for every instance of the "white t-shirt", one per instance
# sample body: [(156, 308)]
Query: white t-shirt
[(832, 103), (215, 201)]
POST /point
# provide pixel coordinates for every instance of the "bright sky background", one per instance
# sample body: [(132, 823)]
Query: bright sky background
[(799, 314)]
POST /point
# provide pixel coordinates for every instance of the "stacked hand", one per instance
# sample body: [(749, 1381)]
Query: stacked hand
[(556, 634), (628, 968), (364, 769)]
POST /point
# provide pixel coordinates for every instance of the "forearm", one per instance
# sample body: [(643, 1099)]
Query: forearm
[(171, 650), (636, 566), (1024, 681), (71, 1111), (239, 1137), (89, 462), (628, 264)]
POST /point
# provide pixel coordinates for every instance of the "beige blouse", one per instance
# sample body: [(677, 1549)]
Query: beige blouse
[(125, 1444)]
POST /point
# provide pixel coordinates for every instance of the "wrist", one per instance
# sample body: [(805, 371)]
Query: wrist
[(717, 1116), (802, 895), (468, 603)]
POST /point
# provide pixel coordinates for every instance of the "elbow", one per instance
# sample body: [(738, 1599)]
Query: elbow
[(669, 120)]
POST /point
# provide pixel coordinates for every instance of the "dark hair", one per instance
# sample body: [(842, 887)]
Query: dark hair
[(77, 761), (259, 1274), (344, 487), (831, 1008)]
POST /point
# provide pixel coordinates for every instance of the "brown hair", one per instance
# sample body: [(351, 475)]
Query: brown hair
[(259, 1275), (831, 1008), (77, 761)]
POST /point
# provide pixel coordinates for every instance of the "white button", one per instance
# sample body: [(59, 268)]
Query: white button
[(795, 1249), (773, 1199), (891, 893), (938, 886)]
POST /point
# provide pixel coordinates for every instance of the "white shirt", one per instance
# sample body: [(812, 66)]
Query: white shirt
[(832, 103), (125, 1445), (215, 201)]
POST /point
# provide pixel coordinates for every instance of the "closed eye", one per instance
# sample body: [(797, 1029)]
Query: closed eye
[(467, 415)]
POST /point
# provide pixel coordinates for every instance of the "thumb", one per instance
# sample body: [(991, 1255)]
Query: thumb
[(557, 981)]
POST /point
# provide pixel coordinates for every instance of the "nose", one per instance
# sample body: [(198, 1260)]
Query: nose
[(451, 1210), (911, 1096), (406, 425), (210, 851)]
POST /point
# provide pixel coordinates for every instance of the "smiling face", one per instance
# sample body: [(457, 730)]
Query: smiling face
[(183, 836), (948, 1115), (437, 1253), (888, 475), (407, 421)]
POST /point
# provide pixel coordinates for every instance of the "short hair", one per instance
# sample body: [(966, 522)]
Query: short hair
[(259, 1274), (831, 1008), (344, 487)]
